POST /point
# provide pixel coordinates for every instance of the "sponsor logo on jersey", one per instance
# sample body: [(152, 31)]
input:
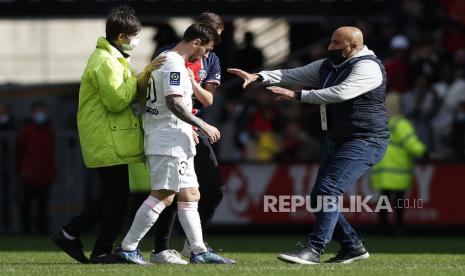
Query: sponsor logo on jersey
[(175, 78)]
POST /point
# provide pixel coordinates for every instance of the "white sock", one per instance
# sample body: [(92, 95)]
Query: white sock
[(145, 217), (188, 214), (67, 236)]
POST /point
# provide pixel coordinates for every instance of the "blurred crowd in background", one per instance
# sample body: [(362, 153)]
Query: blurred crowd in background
[(422, 47)]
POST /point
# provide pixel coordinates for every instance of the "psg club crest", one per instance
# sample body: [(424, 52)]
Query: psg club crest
[(202, 74)]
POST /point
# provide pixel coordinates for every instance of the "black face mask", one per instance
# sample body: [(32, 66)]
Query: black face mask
[(336, 57)]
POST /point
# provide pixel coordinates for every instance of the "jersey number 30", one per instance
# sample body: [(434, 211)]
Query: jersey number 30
[(151, 93)]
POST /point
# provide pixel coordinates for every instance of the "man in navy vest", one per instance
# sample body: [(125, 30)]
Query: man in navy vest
[(350, 88)]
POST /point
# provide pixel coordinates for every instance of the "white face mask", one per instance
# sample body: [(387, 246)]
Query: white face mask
[(132, 44)]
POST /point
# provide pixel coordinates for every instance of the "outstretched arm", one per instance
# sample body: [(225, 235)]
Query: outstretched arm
[(364, 77), (301, 76)]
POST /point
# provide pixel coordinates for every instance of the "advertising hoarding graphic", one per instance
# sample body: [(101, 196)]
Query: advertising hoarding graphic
[(434, 198)]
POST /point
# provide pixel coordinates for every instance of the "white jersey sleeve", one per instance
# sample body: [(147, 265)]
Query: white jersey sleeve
[(172, 78)]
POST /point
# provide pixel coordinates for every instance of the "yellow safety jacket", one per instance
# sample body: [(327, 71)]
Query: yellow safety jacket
[(394, 171), (109, 131)]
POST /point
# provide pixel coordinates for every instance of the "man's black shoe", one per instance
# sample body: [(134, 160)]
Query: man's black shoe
[(71, 247), (306, 255), (347, 256), (108, 258)]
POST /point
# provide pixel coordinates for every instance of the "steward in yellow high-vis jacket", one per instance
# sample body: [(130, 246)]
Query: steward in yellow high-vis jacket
[(110, 134), (109, 131), (393, 175), (394, 171)]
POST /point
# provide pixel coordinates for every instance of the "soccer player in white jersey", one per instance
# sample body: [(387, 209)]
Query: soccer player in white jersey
[(170, 148)]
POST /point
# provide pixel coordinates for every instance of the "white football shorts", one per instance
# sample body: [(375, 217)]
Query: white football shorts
[(171, 173)]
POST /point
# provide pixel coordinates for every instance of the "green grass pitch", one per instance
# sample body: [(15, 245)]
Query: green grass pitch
[(256, 255)]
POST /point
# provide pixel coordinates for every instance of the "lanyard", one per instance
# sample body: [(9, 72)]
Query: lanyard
[(327, 78), (324, 119)]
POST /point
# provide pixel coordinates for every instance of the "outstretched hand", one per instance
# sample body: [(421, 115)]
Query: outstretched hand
[(283, 93), (247, 77)]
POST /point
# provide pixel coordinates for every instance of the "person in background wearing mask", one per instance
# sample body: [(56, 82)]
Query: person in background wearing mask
[(350, 87), (6, 126), (110, 134), (393, 175), (36, 168)]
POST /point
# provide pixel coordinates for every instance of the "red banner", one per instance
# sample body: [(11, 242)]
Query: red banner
[(435, 198)]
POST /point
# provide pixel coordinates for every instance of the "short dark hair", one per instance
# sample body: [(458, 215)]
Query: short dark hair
[(203, 32), (122, 20), (211, 19)]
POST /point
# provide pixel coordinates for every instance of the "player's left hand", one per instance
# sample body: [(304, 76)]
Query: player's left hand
[(282, 93)]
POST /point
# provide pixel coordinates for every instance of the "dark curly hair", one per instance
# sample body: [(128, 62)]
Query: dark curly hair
[(203, 32)]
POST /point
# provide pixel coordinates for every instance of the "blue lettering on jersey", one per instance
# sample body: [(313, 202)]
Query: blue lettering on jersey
[(175, 78)]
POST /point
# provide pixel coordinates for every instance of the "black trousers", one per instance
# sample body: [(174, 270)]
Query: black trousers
[(35, 198), (211, 189), (108, 209), (394, 197), (5, 203)]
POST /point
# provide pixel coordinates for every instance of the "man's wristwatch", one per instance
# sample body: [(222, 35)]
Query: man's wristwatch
[(259, 79), (298, 95)]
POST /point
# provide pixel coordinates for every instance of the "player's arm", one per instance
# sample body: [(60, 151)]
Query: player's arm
[(180, 110), (203, 95)]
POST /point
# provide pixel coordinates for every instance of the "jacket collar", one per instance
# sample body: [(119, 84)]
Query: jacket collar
[(103, 43), (363, 52)]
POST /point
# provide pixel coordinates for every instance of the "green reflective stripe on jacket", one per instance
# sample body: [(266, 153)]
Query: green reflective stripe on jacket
[(394, 171), (109, 132), (390, 170)]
